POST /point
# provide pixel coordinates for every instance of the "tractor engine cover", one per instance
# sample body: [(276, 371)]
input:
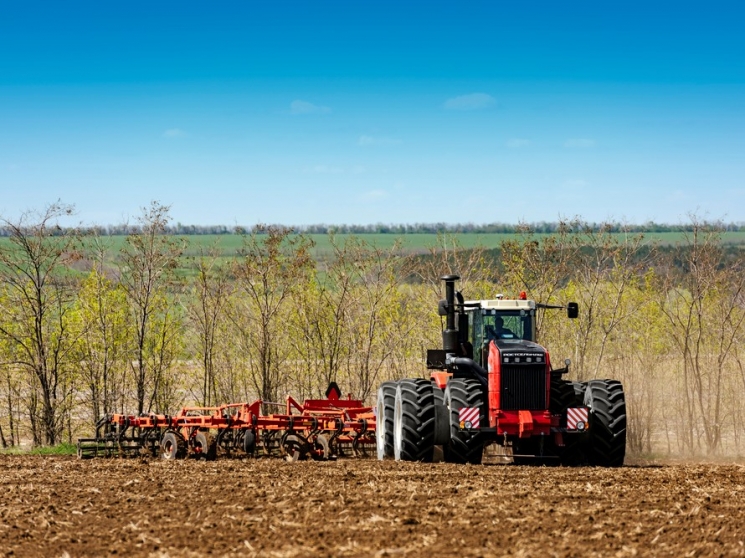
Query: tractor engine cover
[(519, 386)]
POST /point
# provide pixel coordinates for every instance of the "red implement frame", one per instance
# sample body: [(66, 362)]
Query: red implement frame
[(317, 428)]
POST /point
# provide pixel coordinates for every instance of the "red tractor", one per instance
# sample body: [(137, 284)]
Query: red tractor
[(492, 383)]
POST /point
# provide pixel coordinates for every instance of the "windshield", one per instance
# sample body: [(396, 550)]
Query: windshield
[(516, 324)]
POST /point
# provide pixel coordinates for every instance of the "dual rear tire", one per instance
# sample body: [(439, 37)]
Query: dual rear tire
[(410, 417), (384, 422), (606, 444), (414, 421)]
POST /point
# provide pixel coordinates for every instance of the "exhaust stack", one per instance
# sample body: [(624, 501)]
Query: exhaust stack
[(450, 334)]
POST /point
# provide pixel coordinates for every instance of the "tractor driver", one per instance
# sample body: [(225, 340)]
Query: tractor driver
[(499, 331)]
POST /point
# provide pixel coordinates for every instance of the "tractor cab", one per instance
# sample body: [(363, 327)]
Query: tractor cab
[(508, 322)]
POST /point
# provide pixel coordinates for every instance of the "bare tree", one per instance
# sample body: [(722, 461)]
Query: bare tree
[(10, 386), (704, 309), (148, 261), (321, 335), (37, 300), (272, 265), (207, 310), (102, 350), (541, 264), (375, 306), (448, 256), (608, 265), (101, 319)]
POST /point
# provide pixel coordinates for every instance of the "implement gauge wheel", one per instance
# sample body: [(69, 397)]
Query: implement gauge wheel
[(204, 446), (384, 424), (249, 441), (172, 446), (321, 445), (292, 447)]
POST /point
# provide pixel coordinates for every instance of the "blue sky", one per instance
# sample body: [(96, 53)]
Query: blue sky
[(363, 112)]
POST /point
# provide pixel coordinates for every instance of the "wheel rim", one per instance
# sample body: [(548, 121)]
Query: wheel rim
[(380, 428), (292, 449), (397, 426), (199, 448), (322, 444), (168, 449)]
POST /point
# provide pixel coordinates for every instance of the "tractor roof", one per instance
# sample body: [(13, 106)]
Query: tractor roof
[(505, 304)]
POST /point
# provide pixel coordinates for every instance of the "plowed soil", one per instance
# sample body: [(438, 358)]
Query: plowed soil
[(54, 506)]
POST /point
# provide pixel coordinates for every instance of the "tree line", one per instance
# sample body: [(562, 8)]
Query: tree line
[(542, 227), (87, 329)]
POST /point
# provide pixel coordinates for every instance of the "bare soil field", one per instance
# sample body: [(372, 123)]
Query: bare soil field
[(61, 506)]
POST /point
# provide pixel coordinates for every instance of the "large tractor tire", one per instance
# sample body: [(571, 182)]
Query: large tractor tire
[(579, 393), (414, 421), (438, 394), (606, 444), (564, 395), (384, 419), (465, 446)]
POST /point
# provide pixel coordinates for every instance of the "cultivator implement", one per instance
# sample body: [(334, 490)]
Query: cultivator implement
[(317, 428)]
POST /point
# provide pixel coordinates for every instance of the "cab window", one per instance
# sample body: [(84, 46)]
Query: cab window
[(517, 324)]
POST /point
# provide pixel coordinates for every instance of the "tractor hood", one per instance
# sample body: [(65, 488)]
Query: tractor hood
[(521, 351)]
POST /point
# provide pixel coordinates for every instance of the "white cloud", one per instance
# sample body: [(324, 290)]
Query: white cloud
[(304, 107), (324, 169), (374, 195), (174, 133), (517, 143), (579, 142), (370, 140), (473, 101)]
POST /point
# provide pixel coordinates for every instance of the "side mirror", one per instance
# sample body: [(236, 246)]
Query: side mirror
[(442, 308), (572, 310)]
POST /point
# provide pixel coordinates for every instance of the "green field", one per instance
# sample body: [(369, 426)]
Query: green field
[(418, 242), (228, 245)]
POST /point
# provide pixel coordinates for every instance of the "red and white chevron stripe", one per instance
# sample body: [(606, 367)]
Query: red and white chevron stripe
[(575, 416), (468, 417)]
